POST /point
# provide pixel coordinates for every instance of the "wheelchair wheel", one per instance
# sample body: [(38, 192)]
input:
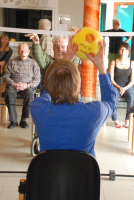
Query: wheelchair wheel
[(35, 147)]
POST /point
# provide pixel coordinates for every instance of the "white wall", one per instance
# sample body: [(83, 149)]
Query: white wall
[(75, 8), (1, 18), (110, 10), (36, 4), (109, 15), (119, 0)]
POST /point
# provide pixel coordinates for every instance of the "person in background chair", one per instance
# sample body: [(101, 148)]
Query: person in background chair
[(5, 51), (63, 121), (122, 75), (46, 40), (22, 76)]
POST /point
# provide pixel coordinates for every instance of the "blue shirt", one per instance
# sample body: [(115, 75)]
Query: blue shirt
[(72, 127)]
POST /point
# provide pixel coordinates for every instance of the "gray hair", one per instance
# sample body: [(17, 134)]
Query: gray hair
[(59, 37), (117, 22), (45, 23)]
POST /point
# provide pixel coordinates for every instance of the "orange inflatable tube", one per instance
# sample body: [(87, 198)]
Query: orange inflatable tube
[(88, 69)]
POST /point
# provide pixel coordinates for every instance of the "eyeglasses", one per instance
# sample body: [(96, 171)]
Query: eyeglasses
[(24, 51), (59, 47)]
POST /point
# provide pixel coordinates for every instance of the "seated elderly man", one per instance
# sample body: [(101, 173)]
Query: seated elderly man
[(22, 76), (61, 50)]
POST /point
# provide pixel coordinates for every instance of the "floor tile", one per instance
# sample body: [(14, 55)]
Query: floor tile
[(118, 194), (0, 190), (113, 152), (3, 178), (14, 180), (120, 183), (9, 192)]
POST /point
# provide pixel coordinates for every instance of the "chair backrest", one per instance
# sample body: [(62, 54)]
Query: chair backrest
[(63, 175)]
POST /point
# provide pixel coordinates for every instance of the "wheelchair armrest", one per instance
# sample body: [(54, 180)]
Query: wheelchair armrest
[(3, 94), (37, 93)]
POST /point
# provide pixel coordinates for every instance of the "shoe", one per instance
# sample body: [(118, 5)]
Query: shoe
[(24, 124), (118, 124), (12, 125), (126, 123)]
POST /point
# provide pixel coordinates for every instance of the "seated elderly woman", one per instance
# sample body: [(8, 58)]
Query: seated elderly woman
[(122, 75), (63, 121), (5, 51)]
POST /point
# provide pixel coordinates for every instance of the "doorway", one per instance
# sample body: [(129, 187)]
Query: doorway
[(103, 16), (125, 15)]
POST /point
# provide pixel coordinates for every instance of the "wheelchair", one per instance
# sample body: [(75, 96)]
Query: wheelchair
[(35, 146), (61, 175)]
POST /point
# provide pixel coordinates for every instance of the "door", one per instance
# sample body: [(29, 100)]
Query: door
[(103, 16), (125, 15)]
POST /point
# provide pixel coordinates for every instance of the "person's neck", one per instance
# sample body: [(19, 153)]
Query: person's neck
[(3, 46), (116, 29), (123, 59), (23, 60)]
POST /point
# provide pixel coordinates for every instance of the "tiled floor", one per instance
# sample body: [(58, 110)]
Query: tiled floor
[(112, 150)]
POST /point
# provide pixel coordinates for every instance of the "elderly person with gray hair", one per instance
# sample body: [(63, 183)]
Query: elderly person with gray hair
[(46, 40), (115, 42), (22, 76), (62, 49)]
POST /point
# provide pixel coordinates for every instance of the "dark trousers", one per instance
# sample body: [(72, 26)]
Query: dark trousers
[(10, 100)]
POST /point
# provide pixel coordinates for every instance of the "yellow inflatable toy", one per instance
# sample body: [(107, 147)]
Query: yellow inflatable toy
[(87, 40)]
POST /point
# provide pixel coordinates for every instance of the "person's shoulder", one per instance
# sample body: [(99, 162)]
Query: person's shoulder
[(10, 49), (30, 59), (32, 62), (52, 59), (15, 59), (112, 64), (121, 30), (132, 64), (109, 30), (113, 61)]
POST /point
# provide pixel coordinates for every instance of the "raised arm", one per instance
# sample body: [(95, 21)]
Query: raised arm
[(71, 52), (107, 91), (128, 39), (99, 60), (34, 37), (41, 57)]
